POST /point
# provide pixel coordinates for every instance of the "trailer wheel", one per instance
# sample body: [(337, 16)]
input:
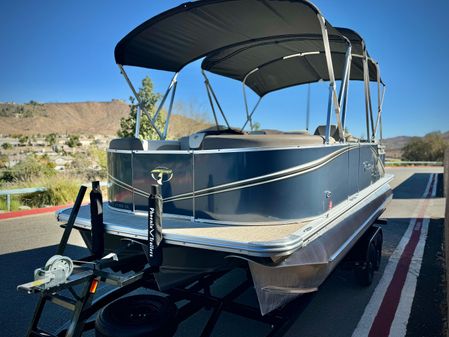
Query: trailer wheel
[(379, 242), (365, 272), (137, 316)]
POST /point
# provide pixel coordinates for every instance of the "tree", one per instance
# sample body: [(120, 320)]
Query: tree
[(149, 99), (23, 140), (4, 161), (256, 126), (73, 140), (51, 139), (6, 146), (30, 168), (431, 147)]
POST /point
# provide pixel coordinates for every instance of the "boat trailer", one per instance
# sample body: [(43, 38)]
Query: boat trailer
[(73, 284)]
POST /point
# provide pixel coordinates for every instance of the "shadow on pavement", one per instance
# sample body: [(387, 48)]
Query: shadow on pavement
[(414, 186), (16, 309)]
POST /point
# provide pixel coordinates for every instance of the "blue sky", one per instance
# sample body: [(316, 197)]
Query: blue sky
[(62, 51)]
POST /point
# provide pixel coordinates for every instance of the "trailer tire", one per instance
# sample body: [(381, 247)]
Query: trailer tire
[(137, 316), (365, 273), (379, 242)]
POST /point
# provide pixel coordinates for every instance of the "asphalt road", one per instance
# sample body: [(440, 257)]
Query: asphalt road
[(335, 310)]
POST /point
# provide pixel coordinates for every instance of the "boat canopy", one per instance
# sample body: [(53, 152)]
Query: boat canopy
[(280, 62), (179, 36), (265, 44)]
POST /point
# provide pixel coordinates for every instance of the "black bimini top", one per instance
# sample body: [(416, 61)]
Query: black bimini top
[(175, 38), (283, 62)]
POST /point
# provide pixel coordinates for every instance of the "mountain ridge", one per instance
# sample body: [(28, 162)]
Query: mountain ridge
[(87, 118), (103, 118)]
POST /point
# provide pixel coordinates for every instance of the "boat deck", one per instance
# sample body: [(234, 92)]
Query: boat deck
[(255, 240), (176, 230)]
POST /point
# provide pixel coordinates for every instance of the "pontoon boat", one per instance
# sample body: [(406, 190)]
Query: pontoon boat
[(290, 205)]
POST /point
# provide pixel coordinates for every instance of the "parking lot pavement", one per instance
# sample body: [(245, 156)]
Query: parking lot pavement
[(335, 310)]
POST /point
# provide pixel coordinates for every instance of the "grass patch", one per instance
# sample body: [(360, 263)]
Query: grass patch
[(15, 203), (61, 190)]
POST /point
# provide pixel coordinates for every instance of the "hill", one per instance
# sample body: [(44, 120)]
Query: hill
[(103, 118), (395, 145), (86, 118)]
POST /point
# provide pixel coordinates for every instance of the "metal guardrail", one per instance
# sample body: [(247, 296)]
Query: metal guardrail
[(424, 163), (31, 190), (8, 193)]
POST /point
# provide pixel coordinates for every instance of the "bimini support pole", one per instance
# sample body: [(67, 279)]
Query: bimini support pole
[(332, 86), (252, 113), (210, 91), (368, 104), (172, 84), (170, 108), (308, 107), (365, 63), (122, 71), (248, 116), (343, 94), (380, 129), (380, 99), (137, 130), (211, 105)]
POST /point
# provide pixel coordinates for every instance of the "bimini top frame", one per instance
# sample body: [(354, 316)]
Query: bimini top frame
[(193, 30), (282, 62)]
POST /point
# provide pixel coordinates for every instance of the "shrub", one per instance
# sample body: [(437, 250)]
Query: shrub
[(61, 190), (149, 99), (4, 161), (29, 169), (429, 148), (23, 140), (73, 141), (6, 146), (51, 139), (14, 206)]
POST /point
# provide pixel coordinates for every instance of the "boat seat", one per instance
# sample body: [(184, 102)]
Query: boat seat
[(278, 132), (129, 143), (160, 145), (135, 144), (275, 140), (194, 142), (266, 132), (321, 131)]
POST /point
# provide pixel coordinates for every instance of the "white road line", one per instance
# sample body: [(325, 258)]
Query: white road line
[(399, 325), (364, 326)]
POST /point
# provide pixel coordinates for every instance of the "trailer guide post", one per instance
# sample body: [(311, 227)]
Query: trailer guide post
[(154, 251), (96, 216)]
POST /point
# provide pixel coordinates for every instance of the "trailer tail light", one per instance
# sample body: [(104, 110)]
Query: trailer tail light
[(93, 286)]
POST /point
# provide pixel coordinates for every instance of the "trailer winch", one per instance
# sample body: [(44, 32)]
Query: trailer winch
[(56, 271)]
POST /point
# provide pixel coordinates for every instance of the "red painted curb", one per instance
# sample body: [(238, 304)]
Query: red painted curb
[(34, 211)]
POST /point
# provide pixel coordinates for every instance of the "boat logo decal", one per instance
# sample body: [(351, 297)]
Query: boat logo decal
[(161, 174)]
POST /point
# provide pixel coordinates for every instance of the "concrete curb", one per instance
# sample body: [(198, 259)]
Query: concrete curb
[(35, 211)]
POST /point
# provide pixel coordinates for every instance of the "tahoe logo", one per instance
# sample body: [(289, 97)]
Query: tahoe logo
[(161, 174)]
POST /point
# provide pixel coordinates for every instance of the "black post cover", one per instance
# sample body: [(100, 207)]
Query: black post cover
[(154, 249), (96, 219)]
